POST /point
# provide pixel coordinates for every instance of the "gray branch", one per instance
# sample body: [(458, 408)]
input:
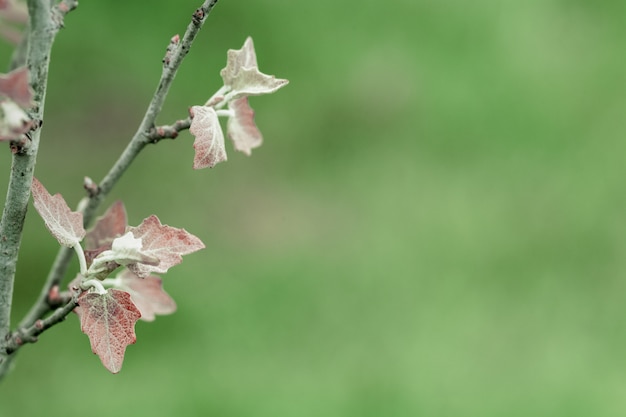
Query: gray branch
[(29, 334), (44, 23), (168, 131), (142, 136)]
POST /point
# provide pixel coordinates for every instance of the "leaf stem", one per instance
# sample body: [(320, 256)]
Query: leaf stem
[(217, 99), (225, 113), (111, 282), (93, 283), (81, 259)]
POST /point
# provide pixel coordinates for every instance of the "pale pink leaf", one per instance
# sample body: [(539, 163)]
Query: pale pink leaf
[(209, 142), (165, 243), (109, 321), (241, 128), (147, 294), (14, 85), (64, 224), (110, 225)]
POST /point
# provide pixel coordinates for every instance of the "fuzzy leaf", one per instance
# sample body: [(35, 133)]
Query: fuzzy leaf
[(147, 294), (14, 85), (109, 321), (165, 243), (65, 225), (14, 122), (109, 226), (128, 249), (124, 250), (242, 73), (237, 59), (252, 82), (209, 143), (241, 128)]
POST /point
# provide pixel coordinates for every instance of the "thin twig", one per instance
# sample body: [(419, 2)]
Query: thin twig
[(142, 136), (30, 334), (168, 131)]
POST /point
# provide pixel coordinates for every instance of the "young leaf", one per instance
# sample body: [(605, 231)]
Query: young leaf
[(14, 85), (252, 82), (147, 294), (124, 250), (238, 59), (209, 143), (109, 321), (163, 242), (109, 226), (241, 128), (65, 225), (242, 73)]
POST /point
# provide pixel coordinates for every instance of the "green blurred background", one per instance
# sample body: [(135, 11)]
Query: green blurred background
[(435, 225)]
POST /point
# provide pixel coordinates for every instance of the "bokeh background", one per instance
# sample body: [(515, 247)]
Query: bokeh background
[(435, 225)]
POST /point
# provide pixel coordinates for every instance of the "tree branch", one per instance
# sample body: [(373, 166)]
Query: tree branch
[(168, 131), (29, 335), (44, 23), (23, 164), (144, 135)]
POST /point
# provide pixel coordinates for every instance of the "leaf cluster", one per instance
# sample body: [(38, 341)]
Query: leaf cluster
[(108, 315)]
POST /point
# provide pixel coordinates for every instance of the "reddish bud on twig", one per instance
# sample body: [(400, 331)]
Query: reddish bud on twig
[(170, 49), (54, 295), (198, 16)]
